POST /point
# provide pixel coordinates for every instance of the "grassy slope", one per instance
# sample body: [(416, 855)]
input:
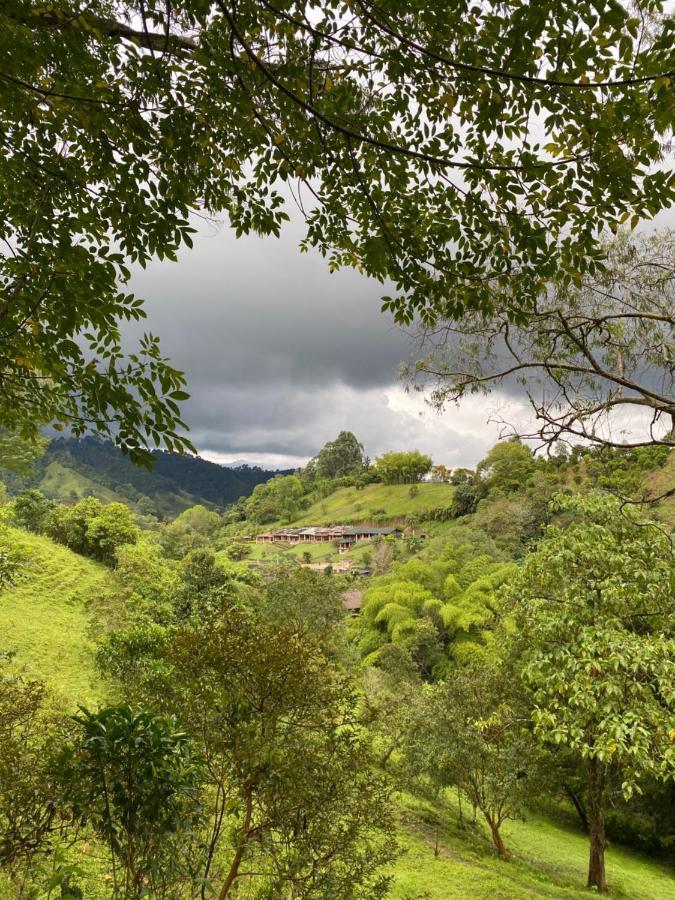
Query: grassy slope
[(548, 860), (348, 505), (657, 483), (45, 618), (61, 482)]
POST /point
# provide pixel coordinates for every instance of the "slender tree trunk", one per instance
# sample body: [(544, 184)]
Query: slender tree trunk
[(239, 853), (502, 852), (215, 834), (596, 818), (579, 806)]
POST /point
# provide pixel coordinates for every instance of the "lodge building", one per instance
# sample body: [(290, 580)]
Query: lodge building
[(344, 535)]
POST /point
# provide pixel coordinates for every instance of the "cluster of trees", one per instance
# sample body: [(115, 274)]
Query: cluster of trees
[(524, 653), (89, 527), (510, 489), (402, 467), (340, 463), (437, 614), (556, 676), (234, 751)]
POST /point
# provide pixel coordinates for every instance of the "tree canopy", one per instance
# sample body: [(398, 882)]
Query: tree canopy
[(460, 153), (402, 467), (594, 645), (343, 456)]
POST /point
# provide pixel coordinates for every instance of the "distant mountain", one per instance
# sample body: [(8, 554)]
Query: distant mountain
[(72, 468)]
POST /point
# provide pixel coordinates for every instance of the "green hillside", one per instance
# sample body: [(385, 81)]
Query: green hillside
[(376, 501), (74, 468), (45, 618), (549, 859), (60, 482), (67, 483), (174, 483)]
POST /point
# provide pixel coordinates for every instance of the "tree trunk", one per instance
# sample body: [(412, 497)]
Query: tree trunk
[(502, 852), (596, 820), (239, 853), (577, 802)]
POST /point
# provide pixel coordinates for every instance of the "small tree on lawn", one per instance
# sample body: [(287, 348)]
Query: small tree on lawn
[(469, 734), (31, 508), (595, 650), (110, 529)]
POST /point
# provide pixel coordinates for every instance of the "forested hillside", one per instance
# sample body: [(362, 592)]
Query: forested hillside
[(72, 468), (447, 754)]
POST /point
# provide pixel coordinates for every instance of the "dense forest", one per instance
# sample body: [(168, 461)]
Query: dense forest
[(468, 688)]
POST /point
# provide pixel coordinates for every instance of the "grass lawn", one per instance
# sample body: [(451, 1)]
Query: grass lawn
[(549, 859), (45, 619), (390, 501), (318, 552)]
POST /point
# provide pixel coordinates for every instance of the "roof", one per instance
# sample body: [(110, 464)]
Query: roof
[(352, 599), (336, 531)]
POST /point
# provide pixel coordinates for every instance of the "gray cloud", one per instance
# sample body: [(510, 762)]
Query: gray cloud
[(252, 311), (281, 355)]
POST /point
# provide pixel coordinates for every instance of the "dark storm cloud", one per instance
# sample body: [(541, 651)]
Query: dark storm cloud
[(281, 355), (253, 310)]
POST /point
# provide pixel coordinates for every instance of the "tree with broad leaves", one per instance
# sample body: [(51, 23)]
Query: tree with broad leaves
[(18, 457), (594, 648), (31, 509), (402, 467), (132, 776), (587, 355), (467, 156)]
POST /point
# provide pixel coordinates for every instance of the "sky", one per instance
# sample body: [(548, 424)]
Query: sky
[(281, 355)]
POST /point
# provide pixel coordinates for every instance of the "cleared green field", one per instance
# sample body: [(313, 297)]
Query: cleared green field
[(45, 618), (549, 859), (277, 552), (391, 501), (63, 483)]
